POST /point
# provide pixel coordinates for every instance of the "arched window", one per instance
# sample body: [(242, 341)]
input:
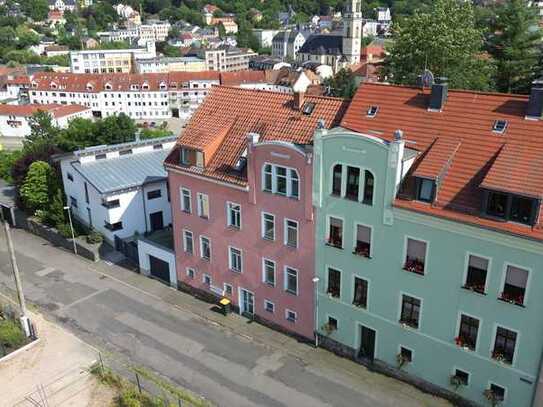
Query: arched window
[(368, 188), (336, 179)]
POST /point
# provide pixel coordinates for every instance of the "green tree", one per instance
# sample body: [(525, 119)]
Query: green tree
[(514, 42), (80, 133), (8, 37), (342, 84), (26, 37), (7, 160), (35, 9), (115, 129), (42, 131), (34, 191), (443, 39)]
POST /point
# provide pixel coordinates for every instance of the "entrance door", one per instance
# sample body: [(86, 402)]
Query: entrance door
[(367, 343), (247, 302), (157, 222), (159, 269)]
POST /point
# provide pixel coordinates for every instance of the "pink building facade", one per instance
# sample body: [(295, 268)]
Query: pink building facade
[(260, 235)]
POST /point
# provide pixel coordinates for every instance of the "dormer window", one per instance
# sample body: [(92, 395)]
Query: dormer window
[(308, 107), (108, 86), (53, 85), (145, 86), (510, 207), (499, 126), (134, 87), (372, 111), (89, 86), (162, 85), (240, 165), (185, 156), (426, 189)]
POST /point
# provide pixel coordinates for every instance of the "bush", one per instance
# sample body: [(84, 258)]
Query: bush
[(94, 237), (65, 230), (11, 334)]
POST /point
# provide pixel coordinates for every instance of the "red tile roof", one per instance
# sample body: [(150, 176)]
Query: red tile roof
[(56, 111), (240, 77), (437, 159), (221, 124), (73, 82), (467, 117)]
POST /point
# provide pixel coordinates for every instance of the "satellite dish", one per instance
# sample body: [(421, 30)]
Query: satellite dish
[(427, 78)]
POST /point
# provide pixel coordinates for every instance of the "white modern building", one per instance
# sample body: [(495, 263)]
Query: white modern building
[(109, 60), (264, 36), (140, 96), (14, 118), (119, 190), (170, 64), (155, 31)]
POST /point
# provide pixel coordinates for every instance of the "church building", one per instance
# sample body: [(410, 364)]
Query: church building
[(337, 50)]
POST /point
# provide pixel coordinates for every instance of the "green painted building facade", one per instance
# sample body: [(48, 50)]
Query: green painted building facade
[(417, 292)]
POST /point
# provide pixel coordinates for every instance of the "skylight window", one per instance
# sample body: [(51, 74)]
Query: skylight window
[(499, 126), (308, 108), (372, 111), (240, 165)]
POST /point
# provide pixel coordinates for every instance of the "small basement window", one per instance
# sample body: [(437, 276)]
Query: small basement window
[(308, 107), (372, 111), (499, 126)]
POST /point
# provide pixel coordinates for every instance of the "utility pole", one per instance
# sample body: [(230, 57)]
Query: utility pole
[(24, 315)]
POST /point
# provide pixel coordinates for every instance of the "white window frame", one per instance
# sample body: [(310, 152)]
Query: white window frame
[(262, 226), (285, 232), (204, 276), (264, 280), (355, 235), (190, 269), (202, 246), (528, 281), (230, 263), (328, 218), (229, 209), (266, 302), (503, 387), (466, 265), (493, 341), (361, 181), (458, 322), (287, 310), (455, 368), (426, 254), (289, 178), (400, 346), (199, 201), (327, 281), (285, 280), (400, 301), (231, 289), (189, 194), (185, 232), (368, 283)]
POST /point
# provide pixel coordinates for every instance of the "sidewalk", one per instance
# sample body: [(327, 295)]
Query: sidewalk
[(55, 370)]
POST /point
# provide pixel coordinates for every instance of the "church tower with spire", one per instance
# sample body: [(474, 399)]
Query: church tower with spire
[(352, 31)]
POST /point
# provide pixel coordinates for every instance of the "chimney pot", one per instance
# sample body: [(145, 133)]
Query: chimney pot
[(439, 94), (535, 103)]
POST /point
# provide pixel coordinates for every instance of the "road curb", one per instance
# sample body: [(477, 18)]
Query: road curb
[(28, 346)]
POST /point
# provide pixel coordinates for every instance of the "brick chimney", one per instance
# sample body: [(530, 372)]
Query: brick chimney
[(299, 100)]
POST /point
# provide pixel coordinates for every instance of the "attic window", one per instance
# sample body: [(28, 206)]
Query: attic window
[(89, 86), (53, 85), (499, 126), (162, 85), (372, 111), (134, 87), (308, 107), (426, 190), (145, 86), (108, 86), (173, 85)]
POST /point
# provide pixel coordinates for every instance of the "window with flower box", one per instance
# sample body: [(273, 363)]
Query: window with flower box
[(504, 345), (363, 241), (467, 333), (476, 274), (335, 232), (495, 393), (514, 287), (360, 298), (415, 257), (410, 313), (334, 282)]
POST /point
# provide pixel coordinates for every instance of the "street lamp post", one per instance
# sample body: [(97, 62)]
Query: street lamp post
[(25, 320), (67, 208), (316, 282)]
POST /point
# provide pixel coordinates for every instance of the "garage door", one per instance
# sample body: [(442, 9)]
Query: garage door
[(159, 269)]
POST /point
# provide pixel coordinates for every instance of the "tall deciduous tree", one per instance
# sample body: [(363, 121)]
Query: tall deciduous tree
[(444, 39), (42, 131), (514, 42), (342, 84), (34, 191)]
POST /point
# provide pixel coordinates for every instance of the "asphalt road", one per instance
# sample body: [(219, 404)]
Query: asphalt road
[(226, 368)]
